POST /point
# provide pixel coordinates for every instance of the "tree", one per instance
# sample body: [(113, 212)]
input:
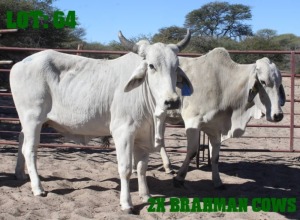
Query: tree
[(198, 44), (220, 19), (172, 34), (266, 33), (30, 37), (288, 41), (262, 40)]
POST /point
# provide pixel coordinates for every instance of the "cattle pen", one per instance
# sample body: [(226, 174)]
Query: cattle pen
[(286, 132)]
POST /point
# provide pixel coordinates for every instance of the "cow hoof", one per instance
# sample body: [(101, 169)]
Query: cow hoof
[(178, 183), (129, 211), (145, 198), (206, 168), (21, 176), (41, 194), (221, 187), (44, 194), (170, 172)]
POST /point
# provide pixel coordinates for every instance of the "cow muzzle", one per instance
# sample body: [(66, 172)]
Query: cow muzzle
[(278, 117), (172, 104)]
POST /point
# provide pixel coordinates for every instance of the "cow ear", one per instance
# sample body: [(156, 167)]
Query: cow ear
[(137, 78), (253, 91), (184, 83), (281, 95)]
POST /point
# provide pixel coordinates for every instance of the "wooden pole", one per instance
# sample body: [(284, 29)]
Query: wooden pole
[(5, 31), (2, 62), (79, 47)]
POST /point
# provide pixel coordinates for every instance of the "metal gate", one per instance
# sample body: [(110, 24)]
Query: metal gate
[(8, 113)]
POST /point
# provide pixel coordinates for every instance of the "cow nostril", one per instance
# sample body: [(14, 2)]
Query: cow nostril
[(172, 104), (278, 117)]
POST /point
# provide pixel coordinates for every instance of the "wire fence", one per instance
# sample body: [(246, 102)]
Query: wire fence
[(10, 126)]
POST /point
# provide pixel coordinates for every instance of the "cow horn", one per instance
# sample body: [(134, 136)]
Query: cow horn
[(184, 42), (128, 44)]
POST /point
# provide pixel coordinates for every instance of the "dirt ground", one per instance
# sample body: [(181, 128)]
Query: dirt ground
[(84, 183)]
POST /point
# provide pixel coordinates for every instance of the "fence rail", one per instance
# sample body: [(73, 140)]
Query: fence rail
[(291, 74)]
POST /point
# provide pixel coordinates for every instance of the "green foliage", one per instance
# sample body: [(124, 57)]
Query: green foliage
[(205, 44), (141, 37), (266, 33), (220, 19), (259, 43), (216, 24), (29, 37), (101, 47), (171, 34), (210, 30), (288, 41)]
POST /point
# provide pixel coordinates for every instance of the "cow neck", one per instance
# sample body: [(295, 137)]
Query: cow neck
[(149, 98), (249, 86), (242, 91), (157, 122), (242, 115)]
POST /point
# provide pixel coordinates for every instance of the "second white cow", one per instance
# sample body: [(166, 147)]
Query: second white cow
[(226, 95)]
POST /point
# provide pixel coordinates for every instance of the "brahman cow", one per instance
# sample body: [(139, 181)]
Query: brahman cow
[(82, 98), (226, 95)]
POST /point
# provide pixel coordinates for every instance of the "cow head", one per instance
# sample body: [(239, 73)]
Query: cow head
[(158, 69), (267, 91)]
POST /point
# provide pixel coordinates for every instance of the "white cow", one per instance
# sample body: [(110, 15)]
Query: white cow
[(226, 96), (83, 98)]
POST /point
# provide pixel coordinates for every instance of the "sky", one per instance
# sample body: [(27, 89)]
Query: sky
[(103, 19)]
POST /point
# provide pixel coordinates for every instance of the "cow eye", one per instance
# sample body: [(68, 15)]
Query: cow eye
[(151, 66), (263, 82)]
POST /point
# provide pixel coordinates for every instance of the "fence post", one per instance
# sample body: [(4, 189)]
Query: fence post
[(79, 47), (292, 115), (4, 31), (2, 62)]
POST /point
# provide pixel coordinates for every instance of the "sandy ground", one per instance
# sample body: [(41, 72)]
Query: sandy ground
[(84, 183)]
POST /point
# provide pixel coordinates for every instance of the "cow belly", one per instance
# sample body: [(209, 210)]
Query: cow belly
[(81, 125)]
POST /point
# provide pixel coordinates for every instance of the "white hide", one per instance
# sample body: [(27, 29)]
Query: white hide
[(219, 104), (84, 98)]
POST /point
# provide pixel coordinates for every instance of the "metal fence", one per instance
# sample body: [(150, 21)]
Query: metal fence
[(6, 110)]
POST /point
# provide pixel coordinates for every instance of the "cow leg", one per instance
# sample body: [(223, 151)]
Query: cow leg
[(141, 157), (166, 160), (20, 167), (124, 146), (134, 165), (31, 131), (193, 140), (214, 147), (163, 153)]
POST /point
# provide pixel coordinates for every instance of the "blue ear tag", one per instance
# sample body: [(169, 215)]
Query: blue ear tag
[(185, 91)]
